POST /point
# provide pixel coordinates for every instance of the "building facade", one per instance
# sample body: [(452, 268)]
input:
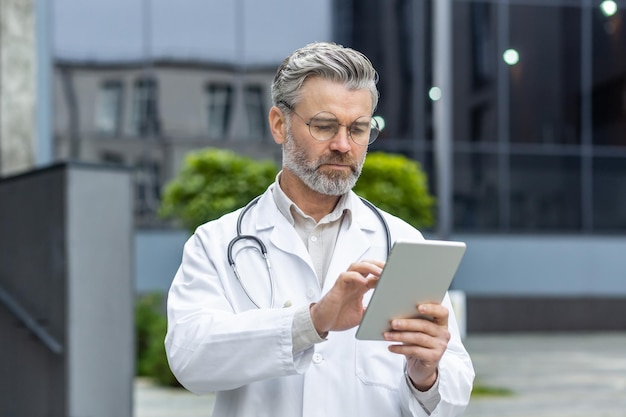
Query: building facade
[(149, 118)]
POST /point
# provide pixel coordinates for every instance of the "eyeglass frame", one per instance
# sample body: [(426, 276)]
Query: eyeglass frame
[(348, 127)]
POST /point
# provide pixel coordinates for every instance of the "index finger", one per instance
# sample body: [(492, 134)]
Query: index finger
[(366, 267)]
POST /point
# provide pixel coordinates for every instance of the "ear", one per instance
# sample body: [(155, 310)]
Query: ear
[(278, 125)]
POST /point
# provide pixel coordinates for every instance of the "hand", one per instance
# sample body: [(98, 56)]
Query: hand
[(423, 342), (342, 307)]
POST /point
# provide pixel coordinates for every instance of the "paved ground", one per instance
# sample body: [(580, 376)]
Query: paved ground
[(555, 375), (575, 375), (151, 401)]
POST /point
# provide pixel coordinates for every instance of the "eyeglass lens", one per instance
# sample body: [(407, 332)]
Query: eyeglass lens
[(324, 126)]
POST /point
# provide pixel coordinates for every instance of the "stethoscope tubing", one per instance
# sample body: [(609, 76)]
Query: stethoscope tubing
[(263, 249)]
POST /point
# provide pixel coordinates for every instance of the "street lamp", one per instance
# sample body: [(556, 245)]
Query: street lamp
[(608, 8), (510, 56)]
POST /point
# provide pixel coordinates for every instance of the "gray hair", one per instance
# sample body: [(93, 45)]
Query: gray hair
[(328, 61)]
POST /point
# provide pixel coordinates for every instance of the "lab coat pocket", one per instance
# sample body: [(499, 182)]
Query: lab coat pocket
[(376, 366)]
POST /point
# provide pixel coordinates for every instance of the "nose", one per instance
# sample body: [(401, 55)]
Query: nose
[(341, 142)]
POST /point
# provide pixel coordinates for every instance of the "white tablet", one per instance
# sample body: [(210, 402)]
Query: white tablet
[(416, 272)]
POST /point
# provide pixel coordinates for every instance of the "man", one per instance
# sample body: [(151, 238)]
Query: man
[(279, 339)]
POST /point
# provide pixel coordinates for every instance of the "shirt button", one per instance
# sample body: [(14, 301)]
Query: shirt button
[(313, 238), (310, 293), (317, 358)]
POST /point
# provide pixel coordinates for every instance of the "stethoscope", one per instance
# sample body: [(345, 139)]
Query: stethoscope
[(262, 249)]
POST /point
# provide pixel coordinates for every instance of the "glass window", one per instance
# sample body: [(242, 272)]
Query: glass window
[(111, 157), (532, 137), (483, 123), (475, 72), (544, 84), (476, 204), (609, 198), (219, 103), (483, 44), (255, 111), (148, 187), (145, 115), (609, 78), (545, 193), (109, 108)]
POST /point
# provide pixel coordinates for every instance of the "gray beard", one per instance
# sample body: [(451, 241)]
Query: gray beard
[(295, 160)]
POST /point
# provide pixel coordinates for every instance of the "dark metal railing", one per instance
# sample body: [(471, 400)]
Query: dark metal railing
[(31, 323)]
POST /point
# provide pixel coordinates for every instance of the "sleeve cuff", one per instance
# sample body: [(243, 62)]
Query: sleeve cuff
[(303, 331), (427, 399)]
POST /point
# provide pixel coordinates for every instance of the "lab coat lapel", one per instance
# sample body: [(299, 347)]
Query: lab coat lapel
[(281, 233), (285, 238), (352, 243)]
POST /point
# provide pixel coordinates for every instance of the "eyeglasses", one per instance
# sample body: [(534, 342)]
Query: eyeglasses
[(324, 126)]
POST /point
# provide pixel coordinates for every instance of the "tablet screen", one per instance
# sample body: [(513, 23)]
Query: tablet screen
[(416, 272)]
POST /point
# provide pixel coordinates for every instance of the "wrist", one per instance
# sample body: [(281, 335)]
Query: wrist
[(320, 331), (423, 384)]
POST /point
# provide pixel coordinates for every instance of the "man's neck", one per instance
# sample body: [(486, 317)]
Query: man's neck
[(311, 202)]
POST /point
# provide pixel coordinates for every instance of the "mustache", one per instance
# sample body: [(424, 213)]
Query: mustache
[(337, 158)]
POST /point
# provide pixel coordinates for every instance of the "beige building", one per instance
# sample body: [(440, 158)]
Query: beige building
[(149, 118)]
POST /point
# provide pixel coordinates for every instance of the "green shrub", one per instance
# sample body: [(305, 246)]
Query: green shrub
[(212, 183), (150, 328), (397, 185)]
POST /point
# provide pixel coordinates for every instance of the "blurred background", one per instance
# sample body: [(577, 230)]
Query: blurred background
[(516, 110), (533, 168)]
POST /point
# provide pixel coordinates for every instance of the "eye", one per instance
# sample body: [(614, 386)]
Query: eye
[(359, 128), (322, 126)]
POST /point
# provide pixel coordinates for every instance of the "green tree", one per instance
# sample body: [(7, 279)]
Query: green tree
[(397, 185)]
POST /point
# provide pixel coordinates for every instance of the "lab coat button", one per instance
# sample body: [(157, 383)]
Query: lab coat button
[(317, 358), (310, 293)]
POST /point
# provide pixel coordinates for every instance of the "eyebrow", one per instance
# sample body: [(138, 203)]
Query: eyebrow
[(327, 119)]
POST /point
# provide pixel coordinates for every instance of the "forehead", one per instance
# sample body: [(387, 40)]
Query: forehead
[(318, 94)]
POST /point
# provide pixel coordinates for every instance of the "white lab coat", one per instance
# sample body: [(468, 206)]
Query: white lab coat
[(217, 340)]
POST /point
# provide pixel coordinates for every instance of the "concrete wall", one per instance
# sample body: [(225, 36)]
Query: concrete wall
[(535, 265), (544, 283), (159, 253), (18, 77), (66, 258)]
